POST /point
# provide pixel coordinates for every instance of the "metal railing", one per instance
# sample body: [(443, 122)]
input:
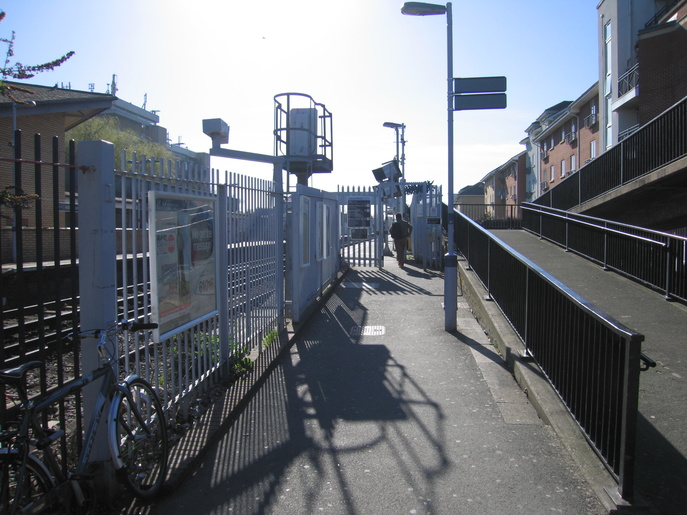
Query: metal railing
[(653, 258), (590, 359), (628, 80), (656, 144), (493, 216)]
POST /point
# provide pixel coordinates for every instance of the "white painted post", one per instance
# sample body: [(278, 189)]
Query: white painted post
[(97, 267), (223, 271)]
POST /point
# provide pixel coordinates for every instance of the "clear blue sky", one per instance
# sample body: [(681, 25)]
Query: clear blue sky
[(363, 59)]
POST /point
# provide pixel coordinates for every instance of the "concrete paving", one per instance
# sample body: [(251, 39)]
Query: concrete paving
[(375, 409), (661, 464)]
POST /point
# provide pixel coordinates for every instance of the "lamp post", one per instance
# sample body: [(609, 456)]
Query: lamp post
[(451, 259), (400, 159)]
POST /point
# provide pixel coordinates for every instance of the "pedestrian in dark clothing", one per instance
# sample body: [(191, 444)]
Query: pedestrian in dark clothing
[(400, 231)]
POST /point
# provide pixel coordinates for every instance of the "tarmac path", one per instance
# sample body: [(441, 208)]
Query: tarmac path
[(377, 410)]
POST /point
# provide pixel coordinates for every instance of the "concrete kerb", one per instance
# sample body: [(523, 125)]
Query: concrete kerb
[(540, 393)]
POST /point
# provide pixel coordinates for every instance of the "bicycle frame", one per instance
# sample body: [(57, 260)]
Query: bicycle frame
[(31, 432), (108, 390)]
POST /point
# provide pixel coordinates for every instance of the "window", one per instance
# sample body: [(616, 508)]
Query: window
[(562, 134), (592, 149), (608, 89), (563, 163), (552, 177), (573, 163)]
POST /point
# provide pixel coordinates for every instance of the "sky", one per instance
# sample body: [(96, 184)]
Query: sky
[(363, 59)]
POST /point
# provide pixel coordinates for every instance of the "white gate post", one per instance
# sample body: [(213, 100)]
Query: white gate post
[(281, 216), (97, 265), (222, 231)]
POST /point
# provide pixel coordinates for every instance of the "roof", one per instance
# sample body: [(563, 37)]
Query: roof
[(78, 106), (475, 189)]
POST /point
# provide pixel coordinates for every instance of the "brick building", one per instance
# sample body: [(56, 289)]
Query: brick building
[(50, 112), (566, 137)]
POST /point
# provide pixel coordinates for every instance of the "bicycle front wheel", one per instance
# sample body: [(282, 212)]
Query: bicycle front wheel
[(140, 439), (27, 493)]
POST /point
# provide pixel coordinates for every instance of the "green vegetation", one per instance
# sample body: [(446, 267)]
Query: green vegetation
[(269, 339), (239, 362), (107, 128)]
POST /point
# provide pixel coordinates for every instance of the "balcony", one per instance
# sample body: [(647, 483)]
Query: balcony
[(591, 120), (628, 81)]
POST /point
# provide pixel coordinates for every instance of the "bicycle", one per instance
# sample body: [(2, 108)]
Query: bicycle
[(136, 434)]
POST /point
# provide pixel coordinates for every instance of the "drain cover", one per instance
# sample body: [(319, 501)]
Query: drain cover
[(368, 330)]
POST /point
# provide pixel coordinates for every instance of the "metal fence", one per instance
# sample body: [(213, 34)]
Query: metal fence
[(590, 359), (656, 259), (38, 246), (493, 216), (251, 280), (656, 144), (52, 278)]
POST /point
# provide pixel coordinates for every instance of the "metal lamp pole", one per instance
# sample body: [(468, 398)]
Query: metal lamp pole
[(451, 259)]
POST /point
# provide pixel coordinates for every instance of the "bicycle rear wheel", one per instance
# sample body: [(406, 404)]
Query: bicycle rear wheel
[(34, 488), (140, 439)]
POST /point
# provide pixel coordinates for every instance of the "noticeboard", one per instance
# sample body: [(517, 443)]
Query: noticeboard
[(183, 260), (359, 212)]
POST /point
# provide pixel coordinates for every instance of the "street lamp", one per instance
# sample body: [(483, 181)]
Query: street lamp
[(450, 260), (402, 158)]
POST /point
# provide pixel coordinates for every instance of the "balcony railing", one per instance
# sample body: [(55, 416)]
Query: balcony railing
[(628, 80)]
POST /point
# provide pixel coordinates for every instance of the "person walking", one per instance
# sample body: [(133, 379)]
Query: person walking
[(400, 231)]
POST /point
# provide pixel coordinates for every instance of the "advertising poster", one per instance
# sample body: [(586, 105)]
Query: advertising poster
[(184, 260)]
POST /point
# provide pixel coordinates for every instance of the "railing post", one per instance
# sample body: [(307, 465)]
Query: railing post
[(223, 265), (669, 267), (605, 267), (97, 268), (489, 240)]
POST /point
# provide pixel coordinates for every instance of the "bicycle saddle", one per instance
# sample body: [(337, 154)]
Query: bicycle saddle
[(17, 374)]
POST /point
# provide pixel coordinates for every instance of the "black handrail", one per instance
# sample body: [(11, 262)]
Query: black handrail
[(591, 360), (654, 258)]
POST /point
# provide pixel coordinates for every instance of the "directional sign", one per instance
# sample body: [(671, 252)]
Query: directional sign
[(484, 101), (479, 85)]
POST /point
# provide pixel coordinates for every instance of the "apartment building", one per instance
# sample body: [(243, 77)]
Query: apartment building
[(504, 186), (564, 138), (642, 63)]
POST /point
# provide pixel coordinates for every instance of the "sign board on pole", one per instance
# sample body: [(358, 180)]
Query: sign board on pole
[(480, 101), (479, 85)]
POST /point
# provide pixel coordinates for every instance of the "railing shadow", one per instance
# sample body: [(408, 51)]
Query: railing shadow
[(328, 379)]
